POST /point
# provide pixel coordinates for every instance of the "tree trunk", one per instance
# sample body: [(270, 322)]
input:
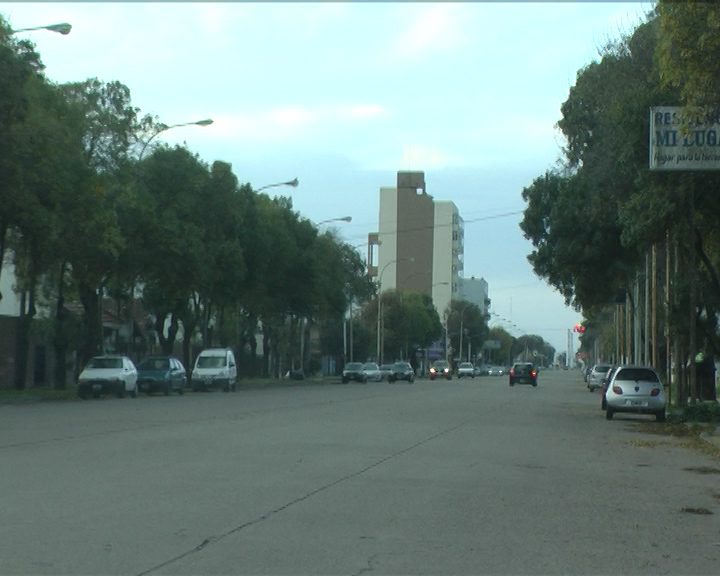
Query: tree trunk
[(167, 343), (60, 343), (92, 335), (266, 350), (21, 344)]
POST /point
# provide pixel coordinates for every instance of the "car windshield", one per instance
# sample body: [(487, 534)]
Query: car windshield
[(353, 366), (440, 364), (104, 363), (154, 364), (370, 366), (401, 365), (211, 362)]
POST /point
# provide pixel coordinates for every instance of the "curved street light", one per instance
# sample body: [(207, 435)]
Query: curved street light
[(342, 219), (164, 128), (62, 28), (292, 183), (379, 317)]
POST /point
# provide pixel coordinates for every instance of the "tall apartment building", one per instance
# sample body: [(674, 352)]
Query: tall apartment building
[(475, 291), (419, 242)]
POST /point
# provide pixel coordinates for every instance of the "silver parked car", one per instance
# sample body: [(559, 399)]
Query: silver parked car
[(466, 369), (372, 371), (596, 375), (635, 389)]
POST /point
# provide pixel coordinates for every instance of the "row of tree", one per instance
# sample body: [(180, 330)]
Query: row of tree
[(89, 211), (603, 225), (85, 213)]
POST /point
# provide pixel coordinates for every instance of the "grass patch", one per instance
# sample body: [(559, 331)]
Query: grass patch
[(13, 396), (705, 412)]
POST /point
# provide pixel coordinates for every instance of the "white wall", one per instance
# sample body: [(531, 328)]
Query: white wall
[(387, 235), (10, 304)]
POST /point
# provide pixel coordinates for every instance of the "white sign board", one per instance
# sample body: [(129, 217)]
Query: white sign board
[(683, 143)]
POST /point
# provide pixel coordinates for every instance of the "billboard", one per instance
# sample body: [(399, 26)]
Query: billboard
[(683, 141)]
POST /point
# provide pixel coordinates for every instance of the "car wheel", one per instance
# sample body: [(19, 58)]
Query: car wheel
[(181, 390), (609, 413), (121, 391), (534, 384), (82, 395), (134, 393), (660, 415), (167, 389), (344, 380), (603, 404)]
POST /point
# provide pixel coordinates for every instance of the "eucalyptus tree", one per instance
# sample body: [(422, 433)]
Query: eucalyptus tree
[(467, 319), (603, 211), (50, 161), (19, 64), (109, 125), (409, 323), (689, 50), (169, 238), (503, 354), (533, 348), (282, 290)]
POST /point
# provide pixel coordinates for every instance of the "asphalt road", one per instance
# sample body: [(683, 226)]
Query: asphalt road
[(460, 477)]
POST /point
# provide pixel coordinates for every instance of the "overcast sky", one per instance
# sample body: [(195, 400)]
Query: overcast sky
[(343, 95)]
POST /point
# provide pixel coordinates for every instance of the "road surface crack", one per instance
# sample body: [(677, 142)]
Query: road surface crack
[(325, 487)]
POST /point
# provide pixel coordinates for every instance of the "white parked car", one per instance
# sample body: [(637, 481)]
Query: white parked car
[(108, 375), (214, 368)]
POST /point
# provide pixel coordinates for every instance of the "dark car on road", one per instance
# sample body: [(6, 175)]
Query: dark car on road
[(161, 374), (440, 369), (354, 371), (402, 371), (523, 373)]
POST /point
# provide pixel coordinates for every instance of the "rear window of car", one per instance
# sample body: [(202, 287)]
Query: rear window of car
[(353, 366), (211, 362), (602, 368), (103, 363), (635, 374), (155, 364)]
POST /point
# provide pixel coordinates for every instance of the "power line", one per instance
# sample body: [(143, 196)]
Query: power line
[(448, 224)]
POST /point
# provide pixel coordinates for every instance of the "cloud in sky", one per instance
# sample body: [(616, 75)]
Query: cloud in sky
[(292, 124), (436, 27)]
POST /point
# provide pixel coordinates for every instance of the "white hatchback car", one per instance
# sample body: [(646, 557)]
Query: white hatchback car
[(108, 375), (635, 389)]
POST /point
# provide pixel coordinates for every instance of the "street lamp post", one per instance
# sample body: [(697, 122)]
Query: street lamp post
[(62, 28), (292, 183), (462, 318), (164, 128), (379, 318)]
